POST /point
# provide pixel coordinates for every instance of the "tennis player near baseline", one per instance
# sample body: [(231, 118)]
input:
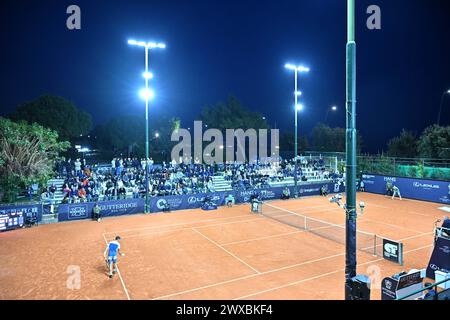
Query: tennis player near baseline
[(112, 249)]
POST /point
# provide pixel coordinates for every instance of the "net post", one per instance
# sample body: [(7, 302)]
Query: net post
[(400, 255), (375, 246)]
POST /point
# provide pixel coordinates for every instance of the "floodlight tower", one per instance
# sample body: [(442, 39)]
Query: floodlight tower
[(298, 107), (146, 94)]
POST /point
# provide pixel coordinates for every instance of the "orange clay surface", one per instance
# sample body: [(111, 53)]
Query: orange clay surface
[(229, 253)]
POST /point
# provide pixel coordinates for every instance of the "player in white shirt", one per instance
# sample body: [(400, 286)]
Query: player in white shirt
[(110, 255)]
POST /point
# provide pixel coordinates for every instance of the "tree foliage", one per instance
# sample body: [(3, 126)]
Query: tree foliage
[(27, 155), (403, 146), (434, 143), (55, 113), (126, 135), (232, 115), (287, 144), (327, 139)]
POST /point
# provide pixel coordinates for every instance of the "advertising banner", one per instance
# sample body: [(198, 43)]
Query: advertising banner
[(413, 188)]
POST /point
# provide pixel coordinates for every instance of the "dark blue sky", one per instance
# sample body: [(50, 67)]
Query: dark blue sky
[(218, 48)]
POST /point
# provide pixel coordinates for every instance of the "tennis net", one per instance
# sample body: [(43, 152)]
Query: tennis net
[(366, 241)]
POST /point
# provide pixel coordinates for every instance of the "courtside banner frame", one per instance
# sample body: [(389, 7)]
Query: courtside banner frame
[(80, 211), (413, 188)]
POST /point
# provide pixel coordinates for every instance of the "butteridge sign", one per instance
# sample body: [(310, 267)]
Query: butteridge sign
[(214, 152)]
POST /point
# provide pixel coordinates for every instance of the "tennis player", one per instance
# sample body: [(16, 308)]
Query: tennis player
[(396, 191), (112, 249)]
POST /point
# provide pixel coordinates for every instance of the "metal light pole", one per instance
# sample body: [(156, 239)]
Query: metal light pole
[(350, 226), (146, 94), (298, 107), (440, 107)]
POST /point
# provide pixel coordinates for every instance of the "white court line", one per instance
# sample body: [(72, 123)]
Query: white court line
[(421, 214), (118, 272), (263, 238), (391, 225), (189, 228), (177, 224), (231, 254), (275, 270), (319, 276), (248, 277)]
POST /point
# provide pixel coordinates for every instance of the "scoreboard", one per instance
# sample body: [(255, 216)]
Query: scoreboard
[(11, 219)]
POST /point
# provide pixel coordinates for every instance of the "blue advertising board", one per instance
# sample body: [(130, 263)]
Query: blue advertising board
[(413, 188), (79, 211)]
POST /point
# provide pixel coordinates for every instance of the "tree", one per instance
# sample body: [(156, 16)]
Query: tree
[(55, 113), (434, 143), (232, 115), (125, 135), (27, 155), (328, 139), (287, 144), (403, 146)]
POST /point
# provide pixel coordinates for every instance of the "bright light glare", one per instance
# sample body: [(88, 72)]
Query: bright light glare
[(290, 66), (296, 68), (147, 75), (156, 135), (132, 42), (448, 91), (334, 108), (299, 107), (147, 94), (298, 93)]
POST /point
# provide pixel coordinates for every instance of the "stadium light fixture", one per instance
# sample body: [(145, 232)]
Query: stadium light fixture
[(299, 107), (334, 108), (157, 135), (300, 68), (147, 75), (147, 94)]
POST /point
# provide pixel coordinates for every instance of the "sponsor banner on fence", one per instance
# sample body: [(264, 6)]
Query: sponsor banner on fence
[(413, 188), (78, 211), (187, 201)]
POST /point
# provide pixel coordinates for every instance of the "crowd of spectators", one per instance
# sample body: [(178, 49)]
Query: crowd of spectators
[(125, 177)]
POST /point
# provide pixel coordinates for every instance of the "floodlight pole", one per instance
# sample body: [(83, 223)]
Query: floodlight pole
[(350, 226), (296, 133), (147, 147), (147, 46)]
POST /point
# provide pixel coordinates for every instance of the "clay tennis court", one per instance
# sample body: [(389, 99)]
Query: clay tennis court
[(229, 253)]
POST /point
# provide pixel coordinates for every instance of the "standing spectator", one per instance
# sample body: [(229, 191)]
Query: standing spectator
[(362, 187), (96, 213), (77, 167)]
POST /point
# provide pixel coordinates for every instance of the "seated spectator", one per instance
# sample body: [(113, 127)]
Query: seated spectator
[(324, 191), (286, 194), (82, 194)]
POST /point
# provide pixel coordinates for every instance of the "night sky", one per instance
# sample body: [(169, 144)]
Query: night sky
[(221, 48)]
